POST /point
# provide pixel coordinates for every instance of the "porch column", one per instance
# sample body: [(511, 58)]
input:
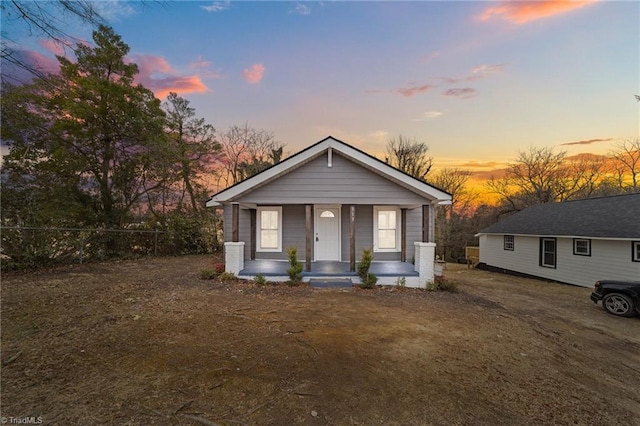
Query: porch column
[(352, 238), (235, 221), (252, 226), (428, 223), (234, 257), (425, 262), (432, 223), (308, 238), (403, 235), (425, 225)]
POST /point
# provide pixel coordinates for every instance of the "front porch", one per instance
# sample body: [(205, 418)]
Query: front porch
[(278, 268), (388, 272)]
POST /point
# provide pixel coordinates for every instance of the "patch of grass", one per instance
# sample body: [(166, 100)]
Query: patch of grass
[(440, 283), (401, 283), (227, 276), (208, 274)]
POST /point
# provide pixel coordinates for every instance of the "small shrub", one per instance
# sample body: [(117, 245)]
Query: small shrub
[(442, 284), (295, 271), (401, 283), (365, 263), (227, 276), (208, 274), (260, 280), (368, 280), (219, 267)]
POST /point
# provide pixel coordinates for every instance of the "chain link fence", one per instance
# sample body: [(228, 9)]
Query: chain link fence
[(32, 247)]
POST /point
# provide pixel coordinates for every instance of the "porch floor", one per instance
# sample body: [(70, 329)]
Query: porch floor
[(327, 269)]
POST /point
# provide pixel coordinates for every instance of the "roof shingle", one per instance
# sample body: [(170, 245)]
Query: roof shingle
[(606, 217)]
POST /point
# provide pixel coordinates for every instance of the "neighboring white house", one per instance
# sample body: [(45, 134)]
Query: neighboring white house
[(575, 242)]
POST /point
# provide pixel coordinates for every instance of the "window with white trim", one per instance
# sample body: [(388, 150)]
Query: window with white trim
[(635, 251), (548, 252), (386, 228), (581, 247), (269, 229), (509, 243)]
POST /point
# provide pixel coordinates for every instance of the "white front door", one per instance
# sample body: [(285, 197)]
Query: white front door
[(327, 232)]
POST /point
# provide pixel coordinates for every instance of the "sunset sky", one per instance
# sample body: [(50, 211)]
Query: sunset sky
[(478, 81)]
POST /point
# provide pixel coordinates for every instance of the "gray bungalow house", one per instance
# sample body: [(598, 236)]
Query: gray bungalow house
[(331, 201), (575, 242)]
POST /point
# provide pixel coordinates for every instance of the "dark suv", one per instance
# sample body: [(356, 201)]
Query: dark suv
[(620, 298)]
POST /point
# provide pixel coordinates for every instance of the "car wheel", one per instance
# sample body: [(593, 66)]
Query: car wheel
[(618, 304)]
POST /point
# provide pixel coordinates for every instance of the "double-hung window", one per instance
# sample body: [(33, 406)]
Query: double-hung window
[(386, 226), (269, 229), (548, 252), (635, 251), (508, 243), (582, 247)]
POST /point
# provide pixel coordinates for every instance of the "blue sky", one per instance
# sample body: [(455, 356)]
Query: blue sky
[(478, 81)]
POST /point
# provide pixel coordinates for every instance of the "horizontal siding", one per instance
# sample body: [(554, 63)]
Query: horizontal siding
[(608, 260), (414, 232), (344, 183)]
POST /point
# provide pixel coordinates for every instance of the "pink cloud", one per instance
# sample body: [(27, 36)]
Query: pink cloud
[(56, 48), (28, 60), (520, 12), (157, 74), (254, 74), (187, 84), (150, 64), (463, 93), (414, 90)]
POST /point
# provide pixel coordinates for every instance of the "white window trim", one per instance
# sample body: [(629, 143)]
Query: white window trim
[(575, 247), (555, 253), (509, 243), (259, 228), (377, 209)]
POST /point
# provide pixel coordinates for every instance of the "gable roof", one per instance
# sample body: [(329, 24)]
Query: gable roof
[(606, 217), (401, 178)]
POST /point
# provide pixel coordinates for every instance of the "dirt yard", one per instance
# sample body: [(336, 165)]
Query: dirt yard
[(148, 342)]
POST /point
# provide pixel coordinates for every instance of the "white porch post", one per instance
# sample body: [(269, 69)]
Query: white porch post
[(234, 257), (425, 262)]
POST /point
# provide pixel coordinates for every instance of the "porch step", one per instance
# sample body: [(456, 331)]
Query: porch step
[(331, 283)]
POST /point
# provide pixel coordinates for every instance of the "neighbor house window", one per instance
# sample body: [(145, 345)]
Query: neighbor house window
[(581, 247), (635, 253), (386, 225), (548, 252), (269, 229), (508, 242)]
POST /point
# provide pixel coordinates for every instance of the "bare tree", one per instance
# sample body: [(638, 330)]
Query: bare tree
[(247, 151), (410, 156), (454, 181), (627, 163), (452, 230), (542, 175)]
